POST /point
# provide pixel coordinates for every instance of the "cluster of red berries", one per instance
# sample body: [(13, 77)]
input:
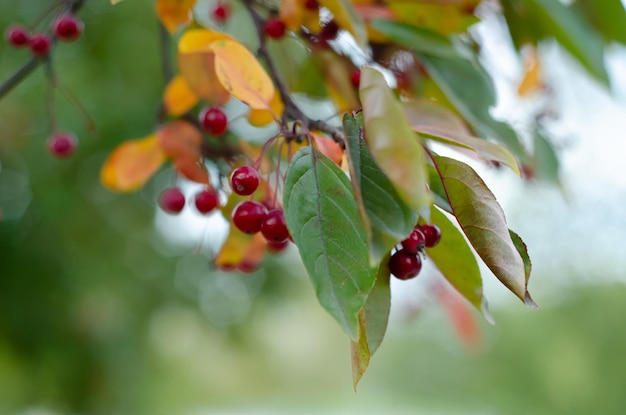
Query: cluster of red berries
[(172, 200), (66, 27), (406, 262), (251, 216)]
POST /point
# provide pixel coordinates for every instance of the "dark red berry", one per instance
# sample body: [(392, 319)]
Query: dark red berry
[(405, 265), (67, 27), (172, 200), (274, 227), (244, 180), (18, 36), (275, 28), (213, 120), (248, 216), (414, 242), (62, 145), (221, 12), (276, 247), (248, 267), (355, 78), (330, 31), (207, 200), (40, 44), (432, 234), (311, 4)]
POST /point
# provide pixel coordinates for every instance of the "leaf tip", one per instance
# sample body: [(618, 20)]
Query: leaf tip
[(529, 302)]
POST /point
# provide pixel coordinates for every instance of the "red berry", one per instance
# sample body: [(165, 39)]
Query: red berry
[(62, 145), (40, 44), (247, 267), (355, 78), (207, 200), (248, 216), (244, 180), (213, 120), (67, 27), (330, 31), (432, 234), (221, 12), (17, 36), (414, 242), (311, 4), (172, 200), (405, 265), (277, 247), (274, 227), (275, 28)]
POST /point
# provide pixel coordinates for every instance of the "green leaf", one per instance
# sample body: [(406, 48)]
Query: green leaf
[(607, 16), (471, 92), (523, 251), (373, 320), (419, 39), (389, 218), (394, 146), (483, 222), (546, 162), (437, 123), (457, 263), (322, 217), (530, 20)]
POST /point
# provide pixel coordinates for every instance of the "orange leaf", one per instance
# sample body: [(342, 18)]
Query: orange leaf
[(259, 118), (199, 40), (178, 97), (460, 314), (174, 13), (532, 80), (240, 248), (291, 13), (180, 139), (241, 74), (193, 169), (131, 164), (328, 147)]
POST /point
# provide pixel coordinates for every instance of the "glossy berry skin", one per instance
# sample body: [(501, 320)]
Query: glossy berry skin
[(274, 227), (221, 12), (432, 234), (355, 78), (213, 120), (206, 201), (248, 216), (311, 5), (62, 145), (405, 265), (67, 27), (244, 180), (275, 28), (40, 44), (414, 242), (172, 200), (276, 247), (18, 36)]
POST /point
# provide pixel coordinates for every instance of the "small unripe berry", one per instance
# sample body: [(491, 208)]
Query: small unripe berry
[(330, 31), (62, 145), (274, 227), (275, 28), (67, 27), (213, 120), (172, 200), (355, 78), (244, 180), (432, 234), (40, 44), (18, 36), (405, 265), (248, 216), (207, 200)]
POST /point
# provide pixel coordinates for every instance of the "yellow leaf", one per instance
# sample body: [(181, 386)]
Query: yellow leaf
[(291, 13), (262, 117), (532, 81), (174, 13), (132, 163), (241, 249), (346, 17), (241, 74), (178, 97), (196, 63)]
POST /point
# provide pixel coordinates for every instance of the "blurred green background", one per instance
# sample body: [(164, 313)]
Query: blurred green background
[(100, 313)]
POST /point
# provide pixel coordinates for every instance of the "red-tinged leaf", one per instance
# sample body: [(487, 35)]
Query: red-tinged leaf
[(178, 97), (180, 139), (395, 148), (241, 74), (197, 65), (460, 316), (193, 169), (328, 147), (483, 222), (175, 13), (132, 163)]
